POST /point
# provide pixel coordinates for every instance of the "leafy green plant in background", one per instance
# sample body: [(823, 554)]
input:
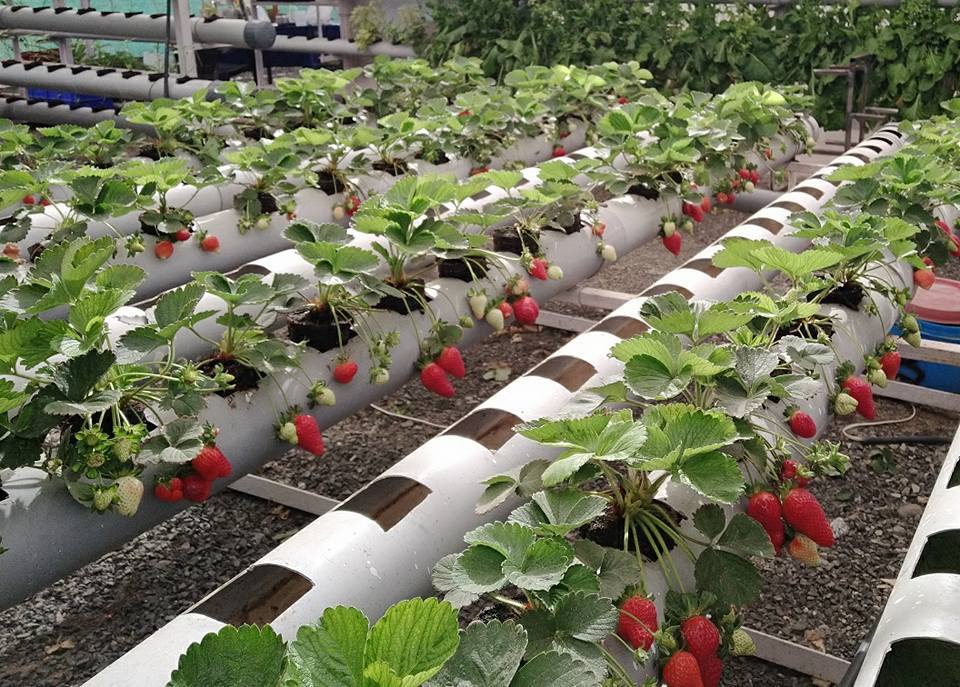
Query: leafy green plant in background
[(707, 46)]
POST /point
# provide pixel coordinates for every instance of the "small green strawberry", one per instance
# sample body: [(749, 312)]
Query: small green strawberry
[(743, 644), (288, 432), (844, 404), (102, 498)]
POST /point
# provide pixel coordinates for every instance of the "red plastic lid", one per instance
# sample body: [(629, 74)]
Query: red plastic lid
[(939, 304)]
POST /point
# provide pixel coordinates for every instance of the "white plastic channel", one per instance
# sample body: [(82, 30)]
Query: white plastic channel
[(350, 557)]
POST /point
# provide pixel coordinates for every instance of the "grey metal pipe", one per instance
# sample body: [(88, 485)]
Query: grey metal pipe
[(258, 35), (127, 84), (339, 46)]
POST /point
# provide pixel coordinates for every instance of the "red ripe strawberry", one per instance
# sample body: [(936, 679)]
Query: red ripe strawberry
[(755, 176), (682, 670), (638, 622), (686, 208), (44, 202), (673, 242), (940, 224), (210, 243), (623, 100), (788, 470), (169, 491), (483, 169), (559, 151), (183, 235), (29, 200), (526, 310), (890, 363), (744, 173), (351, 205), (538, 269), (163, 250), (196, 488), (768, 153), (506, 309), (924, 278), (433, 377), (928, 261), (452, 362), (564, 134), (705, 204), (765, 508), (721, 198), (954, 247), (802, 424), (860, 389), (731, 197), (711, 670), (465, 113), (344, 371), (804, 514), (599, 228), (211, 464), (702, 636), (309, 437), (696, 213), (804, 550)]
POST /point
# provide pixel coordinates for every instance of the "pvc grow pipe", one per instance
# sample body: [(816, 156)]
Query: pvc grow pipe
[(380, 544), (922, 613), (339, 46), (45, 113), (128, 84), (239, 33)]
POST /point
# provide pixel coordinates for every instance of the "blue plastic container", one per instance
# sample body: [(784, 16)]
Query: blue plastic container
[(938, 313), (73, 99)]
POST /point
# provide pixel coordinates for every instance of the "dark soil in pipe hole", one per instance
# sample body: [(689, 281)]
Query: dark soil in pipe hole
[(571, 228), (643, 191), (134, 412), (254, 133), (317, 329), (509, 240), (268, 204), (395, 168), (438, 158), (847, 295), (329, 183), (150, 152), (36, 250), (244, 378), (459, 268), (413, 300), (608, 530)]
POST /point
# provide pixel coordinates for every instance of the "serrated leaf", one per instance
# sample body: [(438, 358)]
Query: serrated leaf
[(557, 670), (616, 569), (177, 305), (734, 580), (248, 656), (559, 512), (709, 520), (488, 656), (510, 540), (678, 431), (96, 403), (79, 375), (746, 536), (543, 565), (479, 570), (715, 475), (797, 265), (330, 653), (413, 640), (443, 580)]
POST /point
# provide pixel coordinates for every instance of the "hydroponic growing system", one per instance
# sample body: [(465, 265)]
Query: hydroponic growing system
[(199, 282)]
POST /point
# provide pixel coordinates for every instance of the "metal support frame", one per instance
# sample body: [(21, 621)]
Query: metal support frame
[(186, 54), (283, 494), (798, 658)]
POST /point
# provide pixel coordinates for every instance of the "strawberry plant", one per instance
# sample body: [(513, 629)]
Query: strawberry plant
[(104, 399), (245, 351), (273, 162)]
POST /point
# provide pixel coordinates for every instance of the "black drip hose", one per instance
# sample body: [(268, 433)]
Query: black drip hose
[(928, 439)]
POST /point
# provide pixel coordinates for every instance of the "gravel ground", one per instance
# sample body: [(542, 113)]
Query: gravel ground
[(68, 632)]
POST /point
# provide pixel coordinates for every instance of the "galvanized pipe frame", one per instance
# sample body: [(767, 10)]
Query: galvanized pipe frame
[(238, 33), (418, 510)]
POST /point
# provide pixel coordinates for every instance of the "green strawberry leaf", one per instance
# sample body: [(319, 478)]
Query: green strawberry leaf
[(734, 580), (715, 475), (248, 656), (746, 536), (444, 581), (559, 512), (488, 656), (543, 565), (617, 570), (709, 520), (332, 651)]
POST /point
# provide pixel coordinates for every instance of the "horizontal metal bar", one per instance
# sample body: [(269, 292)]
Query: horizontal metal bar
[(931, 351), (568, 323), (591, 297), (799, 658), (284, 494)]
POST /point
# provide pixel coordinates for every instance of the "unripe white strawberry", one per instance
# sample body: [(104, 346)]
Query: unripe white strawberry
[(495, 319), (668, 228), (379, 375), (478, 303), (466, 322), (748, 187), (519, 287), (263, 222), (288, 432), (555, 272), (608, 252), (128, 496), (877, 378), (844, 404), (103, 498), (687, 226), (339, 213)]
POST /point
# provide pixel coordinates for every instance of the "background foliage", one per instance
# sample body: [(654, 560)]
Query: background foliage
[(706, 47)]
